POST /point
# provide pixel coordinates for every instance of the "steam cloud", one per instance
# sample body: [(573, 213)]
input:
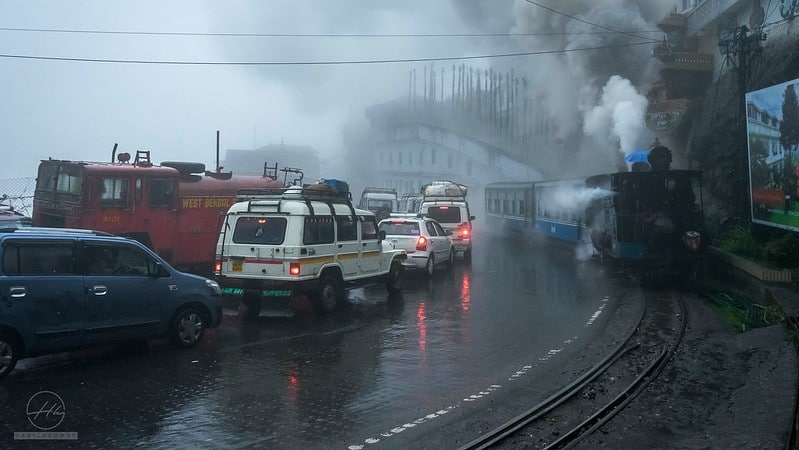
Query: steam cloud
[(593, 97)]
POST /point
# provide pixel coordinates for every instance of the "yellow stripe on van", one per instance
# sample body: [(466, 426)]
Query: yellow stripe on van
[(317, 260), (346, 256), (371, 254)]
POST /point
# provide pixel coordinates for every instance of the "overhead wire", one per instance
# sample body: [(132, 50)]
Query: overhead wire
[(647, 41), (300, 35)]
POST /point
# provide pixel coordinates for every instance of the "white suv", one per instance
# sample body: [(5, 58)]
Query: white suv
[(446, 202), (311, 240), (425, 241)]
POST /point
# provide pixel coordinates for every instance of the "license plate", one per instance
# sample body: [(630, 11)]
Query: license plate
[(237, 265)]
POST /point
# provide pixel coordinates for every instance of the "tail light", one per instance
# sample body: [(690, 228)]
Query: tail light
[(294, 268), (421, 243), (465, 232), (693, 240), (218, 268)]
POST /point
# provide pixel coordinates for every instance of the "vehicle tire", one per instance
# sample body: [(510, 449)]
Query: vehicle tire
[(188, 327), (430, 268), (467, 255), (329, 295), (9, 354), (184, 167), (395, 276), (250, 307), (451, 259)]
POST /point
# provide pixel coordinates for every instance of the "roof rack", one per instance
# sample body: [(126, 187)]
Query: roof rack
[(295, 193)]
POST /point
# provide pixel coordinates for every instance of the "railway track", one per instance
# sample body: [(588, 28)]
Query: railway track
[(596, 396)]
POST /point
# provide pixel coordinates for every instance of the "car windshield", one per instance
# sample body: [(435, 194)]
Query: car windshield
[(400, 228), (445, 214), (377, 204)]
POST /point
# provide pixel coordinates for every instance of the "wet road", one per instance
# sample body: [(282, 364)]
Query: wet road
[(384, 372)]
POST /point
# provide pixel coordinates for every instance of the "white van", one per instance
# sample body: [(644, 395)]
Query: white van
[(446, 202), (302, 240)]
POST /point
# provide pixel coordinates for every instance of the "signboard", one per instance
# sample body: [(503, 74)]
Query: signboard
[(772, 129)]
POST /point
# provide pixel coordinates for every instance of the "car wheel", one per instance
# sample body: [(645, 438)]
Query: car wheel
[(329, 295), (431, 265), (467, 255), (9, 354), (451, 259), (188, 327), (395, 276), (250, 307)]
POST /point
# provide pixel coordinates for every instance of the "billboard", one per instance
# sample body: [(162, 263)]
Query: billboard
[(772, 130)]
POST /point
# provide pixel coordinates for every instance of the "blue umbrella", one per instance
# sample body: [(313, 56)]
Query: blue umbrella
[(637, 156)]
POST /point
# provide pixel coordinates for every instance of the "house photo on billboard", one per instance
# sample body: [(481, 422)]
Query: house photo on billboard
[(772, 125)]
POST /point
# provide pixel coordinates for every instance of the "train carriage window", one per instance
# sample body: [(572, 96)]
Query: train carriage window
[(114, 191), (162, 192)]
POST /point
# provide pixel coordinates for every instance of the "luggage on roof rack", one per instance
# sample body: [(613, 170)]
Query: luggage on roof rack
[(444, 188)]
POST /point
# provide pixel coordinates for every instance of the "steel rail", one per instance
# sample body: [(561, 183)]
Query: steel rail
[(512, 426)]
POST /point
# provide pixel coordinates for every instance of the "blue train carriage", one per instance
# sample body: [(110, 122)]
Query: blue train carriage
[(561, 209), (509, 207), (555, 209), (653, 223)]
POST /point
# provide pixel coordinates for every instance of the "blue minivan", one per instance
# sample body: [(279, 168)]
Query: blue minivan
[(61, 289)]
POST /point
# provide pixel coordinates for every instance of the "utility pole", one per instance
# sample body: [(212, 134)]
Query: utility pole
[(741, 49)]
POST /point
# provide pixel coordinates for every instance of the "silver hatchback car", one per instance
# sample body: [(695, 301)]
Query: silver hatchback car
[(426, 242)]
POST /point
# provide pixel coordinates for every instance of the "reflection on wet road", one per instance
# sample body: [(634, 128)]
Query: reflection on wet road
[(381, 367)]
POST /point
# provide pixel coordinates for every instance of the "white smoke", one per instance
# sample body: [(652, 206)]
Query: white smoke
[(618, 117), (595, 99)]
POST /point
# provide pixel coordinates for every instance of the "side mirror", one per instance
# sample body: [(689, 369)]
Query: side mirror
[(449, 232), (471, 217), (382, 234)]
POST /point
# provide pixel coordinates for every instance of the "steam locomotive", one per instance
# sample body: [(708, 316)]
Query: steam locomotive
[(649, 223)]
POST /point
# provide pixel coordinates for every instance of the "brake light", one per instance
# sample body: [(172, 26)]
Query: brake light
[(218, 267), (294, 268), (465, 232), (421, 243)]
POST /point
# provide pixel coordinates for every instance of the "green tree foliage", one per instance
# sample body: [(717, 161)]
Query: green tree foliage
[(758, 154), (789, 138)]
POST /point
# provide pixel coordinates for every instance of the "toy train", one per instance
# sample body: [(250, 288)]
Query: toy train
[(649, 222)]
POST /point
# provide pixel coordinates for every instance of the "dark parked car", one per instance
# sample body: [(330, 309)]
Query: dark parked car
[(62, 289)]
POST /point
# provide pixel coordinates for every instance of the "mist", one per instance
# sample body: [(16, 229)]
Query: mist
[(70, 109)]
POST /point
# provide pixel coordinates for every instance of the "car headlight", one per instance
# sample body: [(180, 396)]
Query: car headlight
[(214, 286)]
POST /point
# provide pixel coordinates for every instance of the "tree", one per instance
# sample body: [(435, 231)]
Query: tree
[(758, 154), (789, 138)]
